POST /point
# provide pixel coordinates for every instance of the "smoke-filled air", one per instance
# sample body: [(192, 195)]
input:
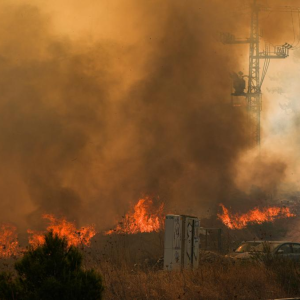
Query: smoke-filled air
[(104, 103), (149, 149)]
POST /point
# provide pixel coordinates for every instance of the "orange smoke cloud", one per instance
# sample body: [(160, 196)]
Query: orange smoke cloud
[(256, 215)]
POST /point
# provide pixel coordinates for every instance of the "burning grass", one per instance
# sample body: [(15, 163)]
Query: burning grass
[(254, 216), (63, 228), (129, 270), (127, 259), (144, 217), (9, 245)]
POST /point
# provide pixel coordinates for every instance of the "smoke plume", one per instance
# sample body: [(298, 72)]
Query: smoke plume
[(140, 107)]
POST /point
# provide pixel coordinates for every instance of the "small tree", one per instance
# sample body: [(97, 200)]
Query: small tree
[(52, 271)]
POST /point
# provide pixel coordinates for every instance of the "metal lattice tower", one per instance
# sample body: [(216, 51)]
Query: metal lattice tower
[(254, 95)]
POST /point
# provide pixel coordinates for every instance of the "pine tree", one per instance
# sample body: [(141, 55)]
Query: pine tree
[(52, 271)]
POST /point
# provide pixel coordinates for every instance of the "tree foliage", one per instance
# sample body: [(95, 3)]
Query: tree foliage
[(52, 271)]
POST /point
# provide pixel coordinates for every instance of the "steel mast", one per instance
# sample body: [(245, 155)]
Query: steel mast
[(254, 95), (254, 91)]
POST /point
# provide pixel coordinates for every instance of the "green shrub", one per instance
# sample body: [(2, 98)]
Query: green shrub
[(52, 271)]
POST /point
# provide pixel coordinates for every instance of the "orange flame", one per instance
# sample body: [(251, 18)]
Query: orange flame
[(9, 245), (63, 228), (144, 218), (256, 215)]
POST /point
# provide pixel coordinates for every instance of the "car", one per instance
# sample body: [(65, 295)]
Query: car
[(249, 249)]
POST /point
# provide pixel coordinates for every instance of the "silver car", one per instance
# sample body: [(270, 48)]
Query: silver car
[(248, 249)]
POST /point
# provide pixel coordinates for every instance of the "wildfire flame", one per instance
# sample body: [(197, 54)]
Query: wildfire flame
[(143, 218), (256, 215), (9, 245), (63, 228)]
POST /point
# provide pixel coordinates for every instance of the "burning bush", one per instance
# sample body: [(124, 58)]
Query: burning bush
[(144, 218), (254, 216), (51, 271), (63, 229), (9, 244)]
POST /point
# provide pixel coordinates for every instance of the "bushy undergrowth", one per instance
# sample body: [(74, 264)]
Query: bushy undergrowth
[(264, 277), (286, 270), (212, 281), (52, 271), (288, 276)]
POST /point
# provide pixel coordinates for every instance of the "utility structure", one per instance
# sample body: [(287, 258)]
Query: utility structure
[(253, 95)]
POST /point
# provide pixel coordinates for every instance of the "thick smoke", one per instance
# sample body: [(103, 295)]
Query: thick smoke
[(89, 126)]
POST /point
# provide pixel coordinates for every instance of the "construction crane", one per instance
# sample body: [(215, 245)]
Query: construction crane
[(253, 95)]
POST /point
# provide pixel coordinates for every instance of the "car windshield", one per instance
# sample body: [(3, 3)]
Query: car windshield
[(247, 247), (256, 247), (266, 247)]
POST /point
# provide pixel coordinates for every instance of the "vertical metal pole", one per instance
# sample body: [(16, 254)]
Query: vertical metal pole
[(254, 93), (192, 251)]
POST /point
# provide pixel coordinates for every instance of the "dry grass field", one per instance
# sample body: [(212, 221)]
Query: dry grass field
[(210, 281), (127, 264), (129, 270)]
